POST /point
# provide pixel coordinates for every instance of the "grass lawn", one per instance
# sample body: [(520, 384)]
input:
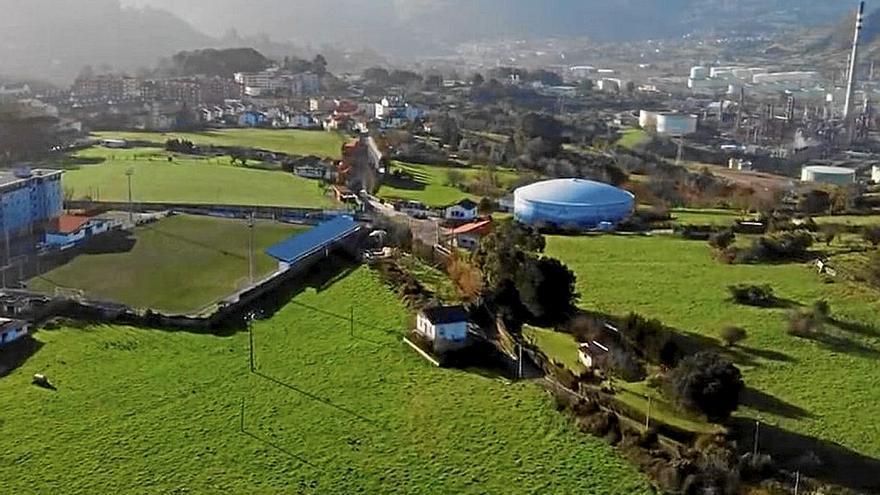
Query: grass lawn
[(825, 389), (146, 411), (179, 264), (688, 216), (633, 138), (290, 141), (186, 180), (849, 220), (559, 347), (430, 187)]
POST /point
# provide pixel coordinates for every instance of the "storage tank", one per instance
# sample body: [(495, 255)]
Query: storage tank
[(699, 73), (572, 204), (676, 124), (822, 174), (647, 119)]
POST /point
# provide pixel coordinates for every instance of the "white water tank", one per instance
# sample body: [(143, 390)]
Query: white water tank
[(822, 174), (698, 73), (676, 124)]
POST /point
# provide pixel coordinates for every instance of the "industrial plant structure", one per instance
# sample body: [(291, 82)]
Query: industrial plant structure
[(572, 204), (823, 174), (668, 123)]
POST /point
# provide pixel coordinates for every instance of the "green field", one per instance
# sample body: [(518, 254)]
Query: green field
[(430, 184), (153, 412), (686, 216), (179, 264), (633, 138), (849, 220), (825, 389), (559, 347), (186, 179), (292, 142)]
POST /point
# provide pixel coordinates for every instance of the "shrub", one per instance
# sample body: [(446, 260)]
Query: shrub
[(707, 383), (722, 240), (805, 323), (784, 246), (753, 295), (872, 235), (733, 335)]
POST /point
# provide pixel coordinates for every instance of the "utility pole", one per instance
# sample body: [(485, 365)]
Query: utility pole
[(648, 416), (129, 173), (797, 482), (757, 434), (520, 363), (251, 248)]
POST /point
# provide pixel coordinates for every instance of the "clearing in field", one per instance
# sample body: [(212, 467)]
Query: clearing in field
[(178, 265), (186, 179), (289, 141), (431, 184), (329, 412), (824, 388)]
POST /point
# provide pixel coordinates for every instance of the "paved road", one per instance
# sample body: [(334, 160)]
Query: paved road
[(428, 231)]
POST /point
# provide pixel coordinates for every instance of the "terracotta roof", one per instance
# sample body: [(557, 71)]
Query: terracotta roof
[(480, 227), (68, 224)]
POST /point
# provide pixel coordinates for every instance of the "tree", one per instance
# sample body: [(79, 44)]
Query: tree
[(434, 82), (454, 178), (872, 235), (829, 233), (539, 135), (630, 87), (707, 383), (486, 206), (761, 296), (477, 79), (733, 335), (815, 202), (376, 75), (722, 240), (502, 252), (547, 289), (319, 65)]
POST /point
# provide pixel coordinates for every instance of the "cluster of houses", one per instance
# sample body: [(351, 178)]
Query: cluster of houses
[(388, 113)]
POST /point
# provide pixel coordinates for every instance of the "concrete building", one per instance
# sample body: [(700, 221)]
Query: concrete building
[(875, 174), (822, 174), (11, 330), (29, 198), (444, 326), (69, 230)]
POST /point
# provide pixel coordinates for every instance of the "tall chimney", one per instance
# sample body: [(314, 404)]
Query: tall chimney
[(853, 63)]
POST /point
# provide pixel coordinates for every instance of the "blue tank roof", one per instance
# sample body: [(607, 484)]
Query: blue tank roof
[(574, 192)]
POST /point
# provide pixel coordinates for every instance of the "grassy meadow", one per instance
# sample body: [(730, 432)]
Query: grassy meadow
[(186, 179), (430, 183), (290, 141), (824, 388), (179, 264), (153, 412)]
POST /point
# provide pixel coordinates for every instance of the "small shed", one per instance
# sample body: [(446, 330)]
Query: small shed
[(593, 354), (445, 326)]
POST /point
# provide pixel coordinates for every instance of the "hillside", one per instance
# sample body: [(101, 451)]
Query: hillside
[(54, 39)]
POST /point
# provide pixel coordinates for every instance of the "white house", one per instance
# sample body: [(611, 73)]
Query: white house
[(445, 326), (11, 330), (592, 354), (464, 211)]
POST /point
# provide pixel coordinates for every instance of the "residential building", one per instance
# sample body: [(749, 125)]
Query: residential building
[(464, 211), (274, 80), (593, 355), (11, 330), (14, 93), (446, 327), (29, 198), (469, 235)]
